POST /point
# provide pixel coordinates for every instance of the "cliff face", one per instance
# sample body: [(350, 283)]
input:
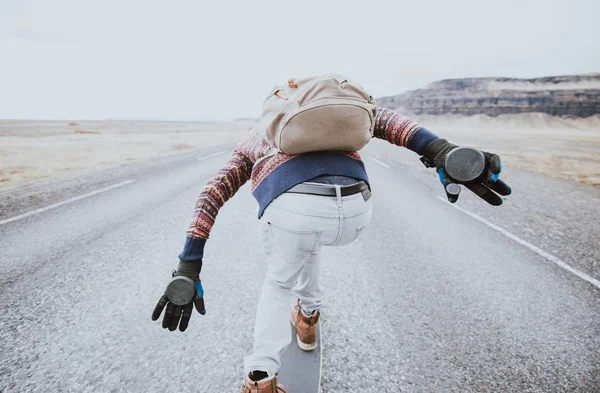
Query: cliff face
[(564, 96)]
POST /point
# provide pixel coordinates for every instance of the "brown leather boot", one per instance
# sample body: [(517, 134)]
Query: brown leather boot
[(306, 327), (262, 386)]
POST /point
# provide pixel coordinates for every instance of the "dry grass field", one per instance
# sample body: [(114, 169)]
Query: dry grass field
[(33, 150)]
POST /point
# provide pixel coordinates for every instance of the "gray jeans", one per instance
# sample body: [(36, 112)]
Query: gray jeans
[(294, 228)]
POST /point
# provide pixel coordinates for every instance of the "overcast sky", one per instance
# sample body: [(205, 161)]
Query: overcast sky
[(216, 60)]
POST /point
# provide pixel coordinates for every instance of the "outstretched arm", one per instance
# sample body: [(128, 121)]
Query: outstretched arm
[(401, 131), (218, 190), (185, 291), (478, 171)]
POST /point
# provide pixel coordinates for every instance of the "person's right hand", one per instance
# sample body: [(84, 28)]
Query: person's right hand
[(485, 184), (183, 293)]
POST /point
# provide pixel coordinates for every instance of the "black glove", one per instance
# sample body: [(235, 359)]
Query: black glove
[(184, 290), (477, 170)]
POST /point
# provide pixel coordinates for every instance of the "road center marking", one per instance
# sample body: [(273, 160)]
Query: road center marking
[(541, 252), (43, 209), (211, 156), (380, 162)]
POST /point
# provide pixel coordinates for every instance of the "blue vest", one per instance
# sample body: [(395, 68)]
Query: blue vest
[(305, 167)]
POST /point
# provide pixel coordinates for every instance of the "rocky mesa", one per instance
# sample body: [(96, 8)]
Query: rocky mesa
[(569, 96)]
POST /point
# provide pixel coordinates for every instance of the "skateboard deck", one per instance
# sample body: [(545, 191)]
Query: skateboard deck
[(300, 371)]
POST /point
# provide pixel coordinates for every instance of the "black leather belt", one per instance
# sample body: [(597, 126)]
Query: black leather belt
[(329, 189)]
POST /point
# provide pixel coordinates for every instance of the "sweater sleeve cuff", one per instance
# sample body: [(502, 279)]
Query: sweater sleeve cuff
[(193, 250), (420, 139)]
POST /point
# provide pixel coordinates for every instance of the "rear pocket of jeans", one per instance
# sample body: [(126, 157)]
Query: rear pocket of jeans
[(293, 246)]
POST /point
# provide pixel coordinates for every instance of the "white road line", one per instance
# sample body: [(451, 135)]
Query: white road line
[(541, 252), (211, 156), (379, 162), (43, 209)]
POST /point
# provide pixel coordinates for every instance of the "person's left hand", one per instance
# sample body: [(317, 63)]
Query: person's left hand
[(183, 293)]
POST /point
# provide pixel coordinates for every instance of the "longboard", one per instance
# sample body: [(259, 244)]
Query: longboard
[(300, 371)]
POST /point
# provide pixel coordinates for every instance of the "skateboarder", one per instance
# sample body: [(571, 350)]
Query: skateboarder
[(306, 201)]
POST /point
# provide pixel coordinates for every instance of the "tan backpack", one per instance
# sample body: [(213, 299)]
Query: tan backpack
[(319, 113)]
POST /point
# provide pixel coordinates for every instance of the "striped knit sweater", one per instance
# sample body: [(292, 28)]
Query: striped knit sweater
[(246, 164)]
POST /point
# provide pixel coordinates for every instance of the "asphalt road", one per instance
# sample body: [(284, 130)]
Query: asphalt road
[(427, 300)]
